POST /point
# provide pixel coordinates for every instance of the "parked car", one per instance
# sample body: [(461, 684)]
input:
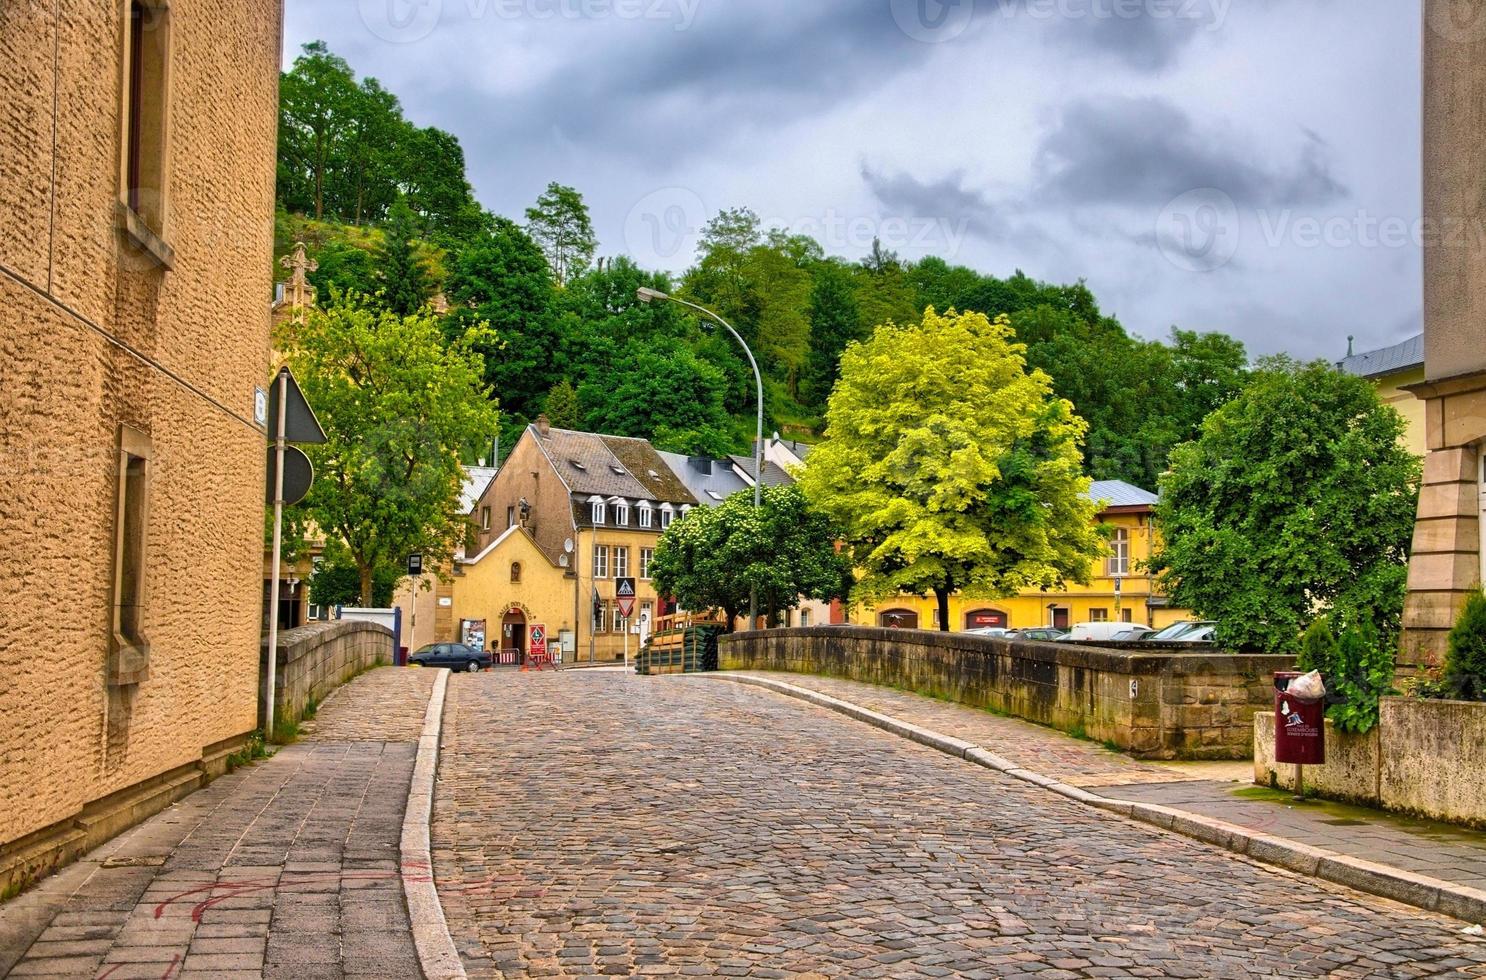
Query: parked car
[(1202, 634), (455, 656), (1178, 631), (1110, 631), (1047, 634), (990, 631)]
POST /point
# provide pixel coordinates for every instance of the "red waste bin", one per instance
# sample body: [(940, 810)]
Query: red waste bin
[(1299, 726)]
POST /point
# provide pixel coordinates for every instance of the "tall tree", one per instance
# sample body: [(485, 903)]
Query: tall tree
[(669, 397), (835, 321), (1297, 498), (316, 112), (405, 283), (716, 558), (562, 405), (501, 281), (400, 407), (560, 225), (951, 468)]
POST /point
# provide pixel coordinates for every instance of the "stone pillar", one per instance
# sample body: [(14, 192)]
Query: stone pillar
[(1446, 565)]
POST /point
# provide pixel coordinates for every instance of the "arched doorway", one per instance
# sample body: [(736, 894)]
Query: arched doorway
[(898, 619), (984, 619), (513, 637)]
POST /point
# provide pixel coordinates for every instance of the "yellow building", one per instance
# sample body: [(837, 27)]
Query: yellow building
[(136, 214), (594, 507), (1119, 590), (511, 586), (1393, 370)]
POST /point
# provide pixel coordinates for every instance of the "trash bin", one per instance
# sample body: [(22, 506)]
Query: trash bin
[(1299, 725), (401, 658)]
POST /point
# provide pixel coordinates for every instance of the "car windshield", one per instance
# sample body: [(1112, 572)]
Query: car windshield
[(1175, 630)]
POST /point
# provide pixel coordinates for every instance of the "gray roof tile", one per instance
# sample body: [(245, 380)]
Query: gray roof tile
[(1403, 356)]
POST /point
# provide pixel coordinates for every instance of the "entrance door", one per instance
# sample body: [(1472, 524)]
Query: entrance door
[(513, 637), (1060, 618)]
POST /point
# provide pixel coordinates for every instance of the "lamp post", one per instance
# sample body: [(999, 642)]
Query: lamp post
[(647, 295)]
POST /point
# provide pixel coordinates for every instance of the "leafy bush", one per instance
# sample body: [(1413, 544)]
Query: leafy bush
[(1465, 661), (1357, 667)]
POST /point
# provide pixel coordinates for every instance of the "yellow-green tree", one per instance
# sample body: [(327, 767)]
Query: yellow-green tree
[(951, 467)]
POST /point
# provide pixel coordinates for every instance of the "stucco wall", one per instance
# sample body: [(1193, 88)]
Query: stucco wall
[(316, 659), (71, 292), (1168, 705), (1426, 758)]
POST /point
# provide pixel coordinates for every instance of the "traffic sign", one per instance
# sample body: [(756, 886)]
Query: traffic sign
[(624, 596), (538, 640), (415, 565), (300, 424), (299, 474)]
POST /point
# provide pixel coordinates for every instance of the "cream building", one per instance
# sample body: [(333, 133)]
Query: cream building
[(137, 145), (1449, 556), (1394, 370)]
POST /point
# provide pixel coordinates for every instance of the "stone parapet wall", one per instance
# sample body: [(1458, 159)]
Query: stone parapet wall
[(1187, 705), (316, 659), (1425, 758)]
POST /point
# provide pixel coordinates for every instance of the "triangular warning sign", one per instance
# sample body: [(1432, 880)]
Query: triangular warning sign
[(300, 424)]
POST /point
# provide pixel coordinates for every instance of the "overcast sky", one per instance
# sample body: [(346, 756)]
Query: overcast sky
[(1250, 166)]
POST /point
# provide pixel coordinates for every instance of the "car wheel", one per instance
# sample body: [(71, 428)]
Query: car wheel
[(474, 667)]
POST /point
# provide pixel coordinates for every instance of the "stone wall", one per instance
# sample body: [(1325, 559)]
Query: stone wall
[(1425, 758), (1186, 704), (316, 659)]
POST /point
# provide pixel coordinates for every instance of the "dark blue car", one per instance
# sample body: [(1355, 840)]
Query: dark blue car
[(455, 656)]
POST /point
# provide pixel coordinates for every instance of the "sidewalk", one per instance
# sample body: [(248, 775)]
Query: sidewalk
[(289, 867), (1433, 865)]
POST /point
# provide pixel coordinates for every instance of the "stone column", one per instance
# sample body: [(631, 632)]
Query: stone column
[(1446, 565)]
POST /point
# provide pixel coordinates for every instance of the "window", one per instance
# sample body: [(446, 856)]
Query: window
[(1118, 563), (145, 119), (621, 514), (619, 621), (515, 572), (485, 518), (510, 517), (600, 561), (130, 647), (1127, 615), (1098, 615), (667, 514), (647, 555), (647, 615), (647, 515), (621, 563), (598, 512), (601, 620), (804, 617)]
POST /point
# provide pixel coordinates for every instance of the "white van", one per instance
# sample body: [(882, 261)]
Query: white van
[(1110, 631)]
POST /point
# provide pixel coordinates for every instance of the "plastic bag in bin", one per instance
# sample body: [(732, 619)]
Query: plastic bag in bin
[(1308, 687)]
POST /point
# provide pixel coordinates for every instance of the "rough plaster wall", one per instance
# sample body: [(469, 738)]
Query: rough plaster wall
[(67, 741)]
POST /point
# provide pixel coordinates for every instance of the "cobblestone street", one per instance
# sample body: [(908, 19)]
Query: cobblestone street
[(602, 824)]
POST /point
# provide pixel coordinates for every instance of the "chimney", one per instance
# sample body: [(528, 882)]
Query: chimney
[(544, 425)]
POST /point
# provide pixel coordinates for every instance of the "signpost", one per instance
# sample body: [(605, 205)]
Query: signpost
[(415, 565), (293, 421), (624, 598)]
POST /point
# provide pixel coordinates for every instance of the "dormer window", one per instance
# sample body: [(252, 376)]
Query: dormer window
[(598, 511), (667, 515), (621, 513), (647, 514)]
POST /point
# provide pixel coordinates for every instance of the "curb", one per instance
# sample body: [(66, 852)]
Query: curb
[(1406, 887), (436, 952)]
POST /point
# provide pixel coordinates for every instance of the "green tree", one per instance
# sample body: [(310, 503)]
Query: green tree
[(400, 408), (404, 283), (562, 405), (669, 397), (1297, 497), (501, 281), (835, 321), (337, 582), (344, 268), (951, 468), (315, 116), (560, 225), (716, 558)]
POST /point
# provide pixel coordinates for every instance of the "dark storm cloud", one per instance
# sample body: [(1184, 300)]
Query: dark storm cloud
[(1144, 35), (950, 201), (1140, 152)]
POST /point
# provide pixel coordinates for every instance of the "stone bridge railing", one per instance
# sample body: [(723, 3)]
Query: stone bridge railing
[(316, 659), (1187, 704)]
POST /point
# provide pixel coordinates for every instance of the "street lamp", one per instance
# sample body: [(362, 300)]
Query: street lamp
[(648, 295)]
